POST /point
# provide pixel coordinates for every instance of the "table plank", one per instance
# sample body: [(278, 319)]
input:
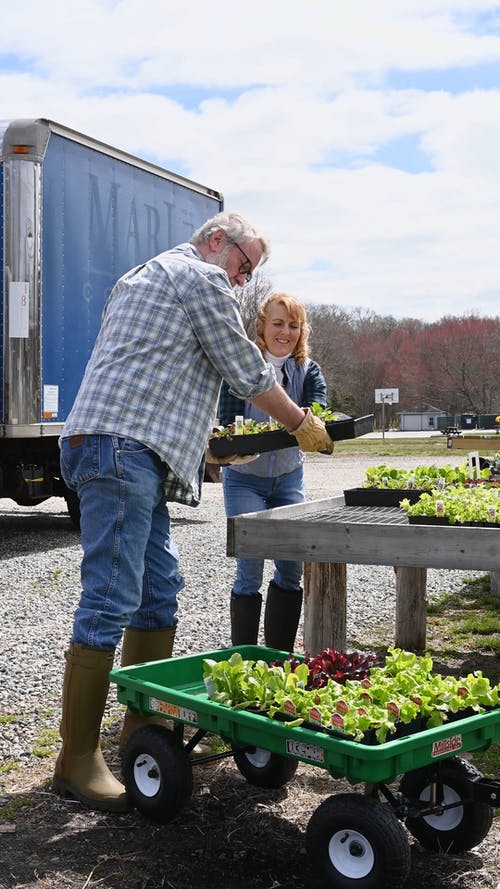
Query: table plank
[(323, 531)]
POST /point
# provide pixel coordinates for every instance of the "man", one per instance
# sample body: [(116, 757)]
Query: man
[(134, 439)]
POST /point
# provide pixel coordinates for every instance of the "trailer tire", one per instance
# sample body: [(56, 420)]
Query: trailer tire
[(356, 842), (157, 773), (264, 769), (454, 830), (73, 505)]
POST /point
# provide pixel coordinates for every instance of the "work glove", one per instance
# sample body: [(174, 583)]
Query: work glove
[(312, 435), (235, 459)]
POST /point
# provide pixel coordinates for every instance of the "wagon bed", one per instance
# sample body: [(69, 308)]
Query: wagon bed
[(175, 689)]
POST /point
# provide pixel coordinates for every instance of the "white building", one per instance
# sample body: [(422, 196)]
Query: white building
[(419, 419)]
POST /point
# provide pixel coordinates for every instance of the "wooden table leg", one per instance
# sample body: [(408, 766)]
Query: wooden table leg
[(495, 583), (325, 606), (411, 608)]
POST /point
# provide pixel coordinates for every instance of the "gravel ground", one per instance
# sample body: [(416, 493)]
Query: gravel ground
[(39, 583)]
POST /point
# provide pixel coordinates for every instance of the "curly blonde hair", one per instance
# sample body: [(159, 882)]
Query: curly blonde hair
[(296, 312)]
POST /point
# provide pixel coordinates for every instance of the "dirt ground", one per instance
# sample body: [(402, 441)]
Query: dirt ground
[(230, 834)]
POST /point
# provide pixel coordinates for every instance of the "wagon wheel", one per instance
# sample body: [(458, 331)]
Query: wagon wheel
[(263, 768), (356, 842), (157, 773), (453, 830)]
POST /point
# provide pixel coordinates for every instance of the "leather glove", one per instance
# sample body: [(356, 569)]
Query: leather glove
[(235, 459), (312, 435)]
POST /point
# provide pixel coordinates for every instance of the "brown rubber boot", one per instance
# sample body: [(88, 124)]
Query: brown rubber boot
[(81, 771), (139, 647), (281, 617), (245, 618)]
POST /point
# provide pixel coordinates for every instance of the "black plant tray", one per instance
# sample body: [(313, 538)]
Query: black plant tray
[(260, 442), (442, 520), (380, 496), (402, 729)]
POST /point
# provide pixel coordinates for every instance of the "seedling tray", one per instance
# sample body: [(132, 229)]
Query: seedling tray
[(380, 496), (261, 442), (175, 689), (442, 520)]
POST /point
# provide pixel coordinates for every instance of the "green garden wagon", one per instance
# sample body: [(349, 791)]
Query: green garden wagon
[(356, 839)]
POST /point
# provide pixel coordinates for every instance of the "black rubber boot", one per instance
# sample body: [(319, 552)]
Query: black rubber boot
[(245, 619), (281, 617)]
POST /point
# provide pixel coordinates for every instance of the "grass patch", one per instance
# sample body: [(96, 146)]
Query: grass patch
[(433, 446), (488, 761), (45, 742), (8, 811), (466, 620), (462, 631), (8, 766)]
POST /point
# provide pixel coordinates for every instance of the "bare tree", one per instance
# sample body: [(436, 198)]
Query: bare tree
[(453, 363), (462, 357), (249, 297)]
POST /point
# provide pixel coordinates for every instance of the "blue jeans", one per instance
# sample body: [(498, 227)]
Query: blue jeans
[(130, 567), (250, 493)]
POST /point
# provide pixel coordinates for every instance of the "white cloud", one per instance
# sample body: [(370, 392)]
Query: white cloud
[(296, 120)]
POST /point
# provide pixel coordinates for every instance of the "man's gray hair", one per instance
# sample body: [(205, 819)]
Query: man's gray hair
[(236, 229)]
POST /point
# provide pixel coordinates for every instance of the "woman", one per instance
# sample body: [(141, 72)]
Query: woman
[(273, 479)]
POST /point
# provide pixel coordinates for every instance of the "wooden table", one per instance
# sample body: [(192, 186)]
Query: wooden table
[(327, 535)]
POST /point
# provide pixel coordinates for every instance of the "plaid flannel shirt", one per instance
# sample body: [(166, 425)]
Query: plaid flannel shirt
[(171, 330)]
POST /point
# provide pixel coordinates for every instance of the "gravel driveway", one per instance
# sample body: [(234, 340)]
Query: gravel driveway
[(39, 583)]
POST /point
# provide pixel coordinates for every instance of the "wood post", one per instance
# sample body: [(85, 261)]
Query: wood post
[(325, 606), (411, 608), (495, 583)]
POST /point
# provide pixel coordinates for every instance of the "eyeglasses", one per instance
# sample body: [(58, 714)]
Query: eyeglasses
[(246, 268)]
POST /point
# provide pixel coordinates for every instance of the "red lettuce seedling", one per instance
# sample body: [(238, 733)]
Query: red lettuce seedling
[(331, 664)]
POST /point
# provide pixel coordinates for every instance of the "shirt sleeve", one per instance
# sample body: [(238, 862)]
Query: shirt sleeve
[(314, 386), (215, 319), (229, 406)]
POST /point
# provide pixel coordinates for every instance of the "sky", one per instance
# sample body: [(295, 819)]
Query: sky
[(362, 137)]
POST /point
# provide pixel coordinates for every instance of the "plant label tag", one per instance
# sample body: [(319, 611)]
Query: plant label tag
[(289, 707), (393, 708)]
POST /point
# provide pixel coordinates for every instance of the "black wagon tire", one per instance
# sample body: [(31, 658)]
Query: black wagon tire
[(356, 842), (157, 773), (454, 830), (263, 768)]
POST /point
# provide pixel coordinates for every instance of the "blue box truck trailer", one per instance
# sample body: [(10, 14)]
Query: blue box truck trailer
[(76, 215)]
